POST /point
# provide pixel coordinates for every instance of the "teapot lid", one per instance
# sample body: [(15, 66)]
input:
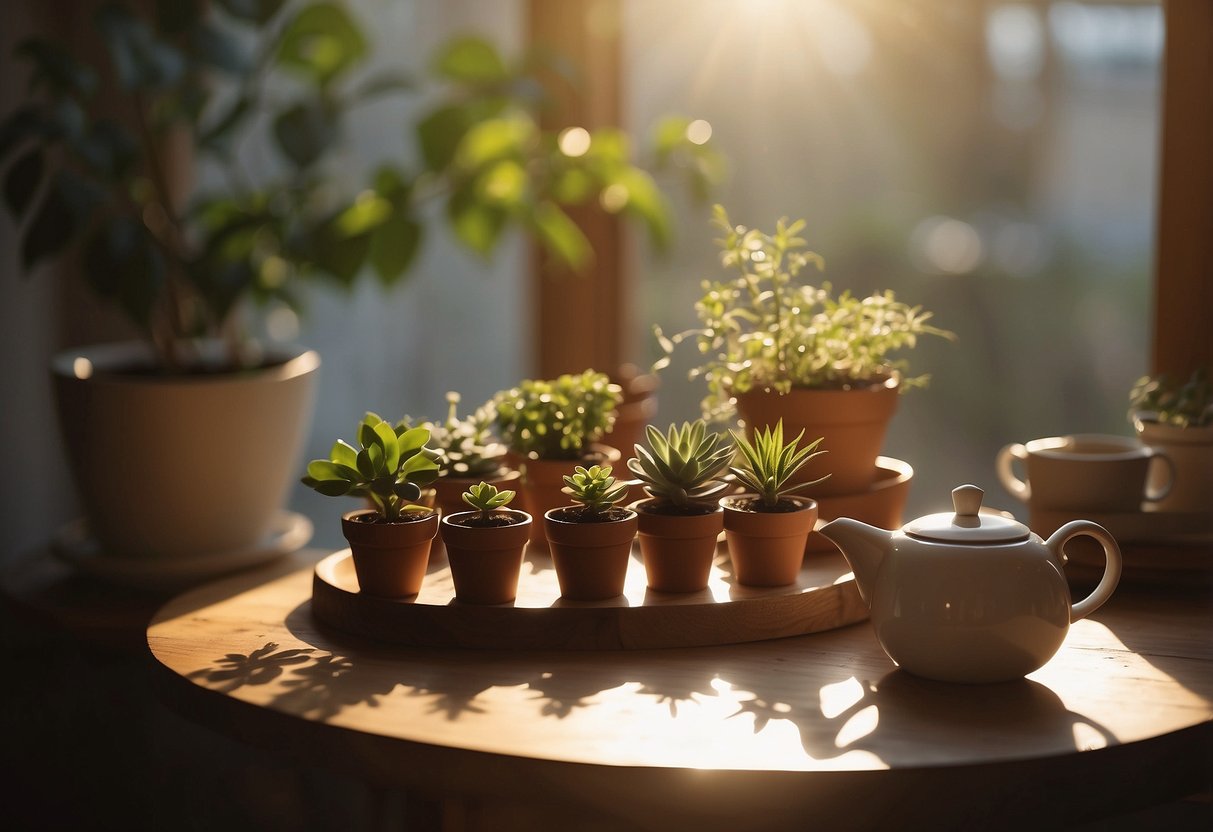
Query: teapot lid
[(967, 525)]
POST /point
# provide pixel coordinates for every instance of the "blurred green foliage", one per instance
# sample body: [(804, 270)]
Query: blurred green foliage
[(91, 157)]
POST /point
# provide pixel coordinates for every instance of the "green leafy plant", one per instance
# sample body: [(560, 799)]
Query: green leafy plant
[(557, 419), (682, 466), (467, 444), (98, 158), (766, 464), (1187, 404), (389, 467), (595, 490), (486, 499), (768, 328)]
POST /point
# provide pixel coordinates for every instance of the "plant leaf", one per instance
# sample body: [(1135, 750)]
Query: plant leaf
[(470, 60), (321, 43)]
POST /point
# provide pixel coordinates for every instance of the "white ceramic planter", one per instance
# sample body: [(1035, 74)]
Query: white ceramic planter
[(181, 466)]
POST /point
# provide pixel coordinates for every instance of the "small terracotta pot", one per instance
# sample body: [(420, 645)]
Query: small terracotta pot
[(1191, 452), (485, 560), (390, 559), (591, 559), (767, 548), (851, 423), (678, 549), (543, 479)]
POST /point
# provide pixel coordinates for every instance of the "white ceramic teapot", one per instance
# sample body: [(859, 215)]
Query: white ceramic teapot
[(969, 596)]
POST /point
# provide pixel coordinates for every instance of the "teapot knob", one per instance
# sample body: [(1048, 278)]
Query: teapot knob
[(966, 499)]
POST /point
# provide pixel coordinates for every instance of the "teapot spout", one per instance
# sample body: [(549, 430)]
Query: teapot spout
[(863, 546)]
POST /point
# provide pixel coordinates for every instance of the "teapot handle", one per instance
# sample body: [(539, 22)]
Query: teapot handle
[(1006, 474), (1112, 567)]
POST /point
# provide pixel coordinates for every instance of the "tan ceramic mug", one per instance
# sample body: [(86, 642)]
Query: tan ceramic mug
[(1088, 472)]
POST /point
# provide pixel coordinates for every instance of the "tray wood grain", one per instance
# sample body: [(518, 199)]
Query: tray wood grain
[(824, 597)]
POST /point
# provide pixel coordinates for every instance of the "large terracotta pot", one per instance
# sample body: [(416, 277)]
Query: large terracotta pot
[(852, 424), (1191, 451), (543, 479), (390, 559), (591, 559), (485, 560), (767, 548), (678, 549), (181, 466)]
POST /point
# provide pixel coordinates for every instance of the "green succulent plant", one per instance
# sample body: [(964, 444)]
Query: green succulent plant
[(766, 463), (682, 466), (1189, 404), (595, 490), (485, 498), (389, 467), (768, 328), (467, 444), (557, 419)]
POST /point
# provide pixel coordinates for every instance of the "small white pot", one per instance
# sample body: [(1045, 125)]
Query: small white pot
[(181, 466)]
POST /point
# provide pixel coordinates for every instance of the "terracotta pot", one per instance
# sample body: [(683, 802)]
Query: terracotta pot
[(543, 479), (767, 548), (485, 560), (449, 490), (390, 559), (678, 549), (852, 424), (181, 466), (638, 408), (1191, 451), (591, 559)]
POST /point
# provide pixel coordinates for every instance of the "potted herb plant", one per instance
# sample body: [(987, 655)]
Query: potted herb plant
[(550, 426), (1177, 418), (778, 347), (471, 454), (485, 546), (100, 159), (767, 526), (390, 543), (678, 525), (591, 541)]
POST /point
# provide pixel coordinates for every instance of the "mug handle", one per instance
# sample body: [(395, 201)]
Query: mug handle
[(1005, 462), (1161, 494), (1112, 566)]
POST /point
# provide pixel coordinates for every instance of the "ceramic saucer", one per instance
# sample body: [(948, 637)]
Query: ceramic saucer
[(75, 545)]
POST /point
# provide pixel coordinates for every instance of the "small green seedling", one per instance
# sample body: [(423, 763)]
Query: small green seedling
[(595, 490)]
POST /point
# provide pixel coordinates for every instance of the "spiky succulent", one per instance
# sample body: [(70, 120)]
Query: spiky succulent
[(767, 463), (682, 466), (485, 498), (595, 489), (389, 468)]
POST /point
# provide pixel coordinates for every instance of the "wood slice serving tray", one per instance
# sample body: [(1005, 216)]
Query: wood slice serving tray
[(824, 597)]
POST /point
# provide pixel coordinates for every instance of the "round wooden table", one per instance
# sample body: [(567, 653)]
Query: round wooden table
[(792, 732)]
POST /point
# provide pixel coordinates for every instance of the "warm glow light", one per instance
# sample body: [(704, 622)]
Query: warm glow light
[(947, 245), (574, 141), (282, 324), (82, 368), (614, 198), (699, 131)]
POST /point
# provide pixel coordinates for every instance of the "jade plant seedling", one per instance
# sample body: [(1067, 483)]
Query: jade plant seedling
[(595, 490), (486, 500), (389, 467), (767, 464)]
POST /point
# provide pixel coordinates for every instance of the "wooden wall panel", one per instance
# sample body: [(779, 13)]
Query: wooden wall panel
[(1183, 280)]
